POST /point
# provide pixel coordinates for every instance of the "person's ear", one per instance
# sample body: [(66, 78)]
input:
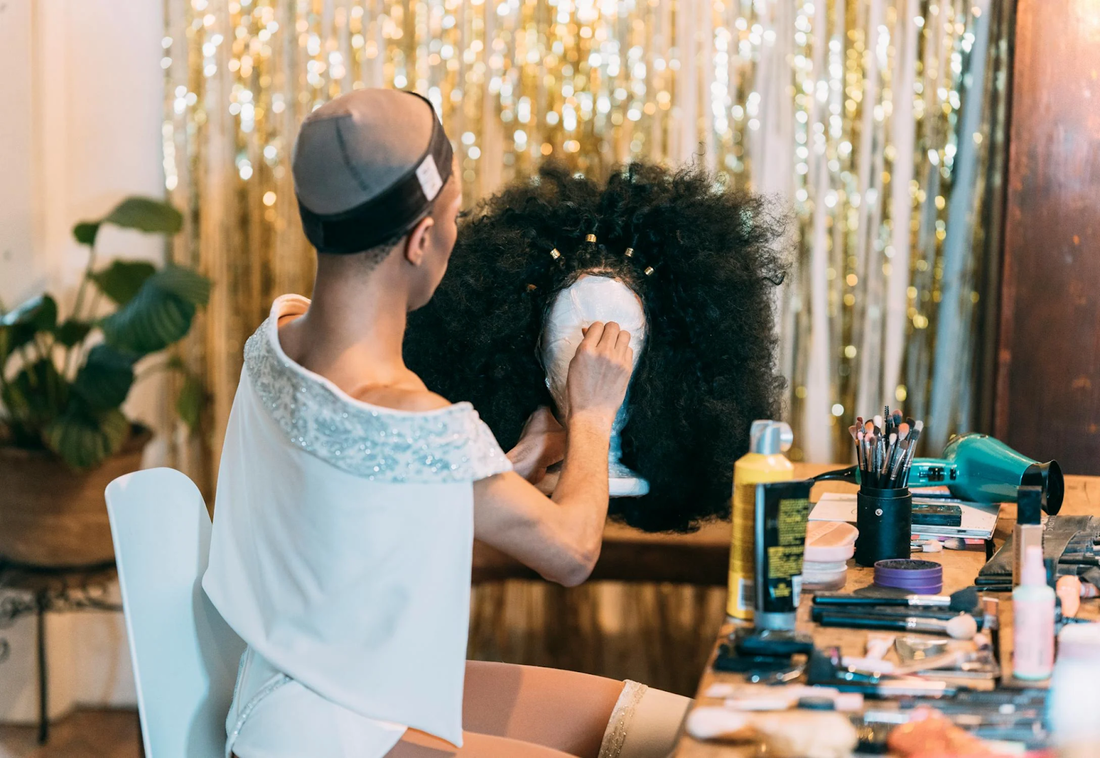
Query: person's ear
[(416, 246)]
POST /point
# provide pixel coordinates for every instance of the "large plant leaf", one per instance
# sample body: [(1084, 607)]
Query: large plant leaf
[(104, 380), (39, 314), (185, 283), (142, 213), (160, 313), (71, 332), (84, 438), (190, 401), (145, 214), (85, 232), (36, 395), (123, 279)]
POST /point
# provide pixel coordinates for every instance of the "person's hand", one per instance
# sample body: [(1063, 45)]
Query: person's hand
[(541, 445), (600, 373)]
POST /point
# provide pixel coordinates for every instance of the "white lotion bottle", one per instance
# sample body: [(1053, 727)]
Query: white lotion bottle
[(1033, 620)]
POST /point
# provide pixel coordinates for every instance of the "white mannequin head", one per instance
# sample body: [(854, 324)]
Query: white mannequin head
[(594, 297)]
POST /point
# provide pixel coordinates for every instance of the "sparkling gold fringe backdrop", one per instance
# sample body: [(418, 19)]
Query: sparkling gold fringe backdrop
[(880, 122)]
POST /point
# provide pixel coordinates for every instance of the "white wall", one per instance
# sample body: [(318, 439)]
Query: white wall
[(81, 97)]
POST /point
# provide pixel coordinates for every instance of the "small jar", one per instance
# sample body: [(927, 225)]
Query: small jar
[(829, 546), (824, 576)]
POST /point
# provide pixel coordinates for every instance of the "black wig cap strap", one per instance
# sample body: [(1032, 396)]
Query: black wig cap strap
[(390, 214)]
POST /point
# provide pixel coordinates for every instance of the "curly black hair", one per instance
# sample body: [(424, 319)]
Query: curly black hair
[(704, 261)]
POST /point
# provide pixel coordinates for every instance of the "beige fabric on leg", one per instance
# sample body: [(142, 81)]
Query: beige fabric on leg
[(644, 724)]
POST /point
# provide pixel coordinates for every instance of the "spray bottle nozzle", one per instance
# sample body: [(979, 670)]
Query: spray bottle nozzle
[(770, 437)]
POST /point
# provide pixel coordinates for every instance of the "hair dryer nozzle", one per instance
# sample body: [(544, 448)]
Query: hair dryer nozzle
[(1048, 476)]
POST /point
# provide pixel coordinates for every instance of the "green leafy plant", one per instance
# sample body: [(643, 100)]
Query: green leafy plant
[(62, 381)]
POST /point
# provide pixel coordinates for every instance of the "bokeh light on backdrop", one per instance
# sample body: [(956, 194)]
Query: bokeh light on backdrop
[(881, 123)]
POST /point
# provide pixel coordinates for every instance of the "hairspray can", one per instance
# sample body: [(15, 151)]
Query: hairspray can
[(763, 463)]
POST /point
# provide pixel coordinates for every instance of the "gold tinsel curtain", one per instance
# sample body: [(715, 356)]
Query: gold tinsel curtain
[(881, 123)]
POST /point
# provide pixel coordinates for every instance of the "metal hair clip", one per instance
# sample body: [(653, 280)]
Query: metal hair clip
[(629, 252), (555, 254), (648, 270), (591, 238)]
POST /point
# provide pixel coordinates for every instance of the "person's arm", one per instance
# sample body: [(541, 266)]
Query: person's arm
[(561, 537)]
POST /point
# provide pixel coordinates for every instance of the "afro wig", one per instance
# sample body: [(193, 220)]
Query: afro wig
[(703, 260)]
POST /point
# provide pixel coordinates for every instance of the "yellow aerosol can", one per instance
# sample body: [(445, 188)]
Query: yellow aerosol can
[(764, 462)]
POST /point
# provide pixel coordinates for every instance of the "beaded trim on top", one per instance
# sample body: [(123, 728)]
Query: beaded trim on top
[(449, 445)]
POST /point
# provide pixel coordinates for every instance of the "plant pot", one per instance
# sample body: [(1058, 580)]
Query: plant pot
[(52, 516)]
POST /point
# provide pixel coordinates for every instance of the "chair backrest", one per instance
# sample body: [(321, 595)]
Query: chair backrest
[(184, 655)]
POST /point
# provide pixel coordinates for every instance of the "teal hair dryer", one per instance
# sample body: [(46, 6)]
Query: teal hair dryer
[(982, 469)]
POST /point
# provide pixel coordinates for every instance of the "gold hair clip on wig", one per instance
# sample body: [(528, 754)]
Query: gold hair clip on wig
[(555, 254), (591, 238), (629, 252)]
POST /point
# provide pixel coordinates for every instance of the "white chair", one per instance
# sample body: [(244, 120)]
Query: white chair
[(184, 655)]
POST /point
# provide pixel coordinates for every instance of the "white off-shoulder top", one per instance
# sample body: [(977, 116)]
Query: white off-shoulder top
[(343, 535)]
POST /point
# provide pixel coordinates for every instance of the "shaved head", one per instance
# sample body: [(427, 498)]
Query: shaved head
[(354, 148)]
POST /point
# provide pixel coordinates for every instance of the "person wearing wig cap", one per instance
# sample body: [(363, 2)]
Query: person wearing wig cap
[(692, 264), (349, 495)]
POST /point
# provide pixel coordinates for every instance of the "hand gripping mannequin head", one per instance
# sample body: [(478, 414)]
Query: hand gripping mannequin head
[(594, 297)]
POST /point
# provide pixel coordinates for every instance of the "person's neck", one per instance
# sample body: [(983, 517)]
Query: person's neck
[(353, 332)]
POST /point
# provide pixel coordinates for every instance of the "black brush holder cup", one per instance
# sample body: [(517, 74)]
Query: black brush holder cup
[(885, 522)]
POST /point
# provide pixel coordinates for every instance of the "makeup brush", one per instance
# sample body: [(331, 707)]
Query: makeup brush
[(914, 436), (889, 457), (903, 434), (903, 431), (857, 436), (872, 447), (895, 470), (963, 601), (961, 627)]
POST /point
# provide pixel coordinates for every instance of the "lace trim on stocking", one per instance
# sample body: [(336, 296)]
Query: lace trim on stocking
[(615, 735)]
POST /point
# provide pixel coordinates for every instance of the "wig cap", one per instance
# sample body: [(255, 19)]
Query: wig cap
[(354, 147), (704, 262)]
